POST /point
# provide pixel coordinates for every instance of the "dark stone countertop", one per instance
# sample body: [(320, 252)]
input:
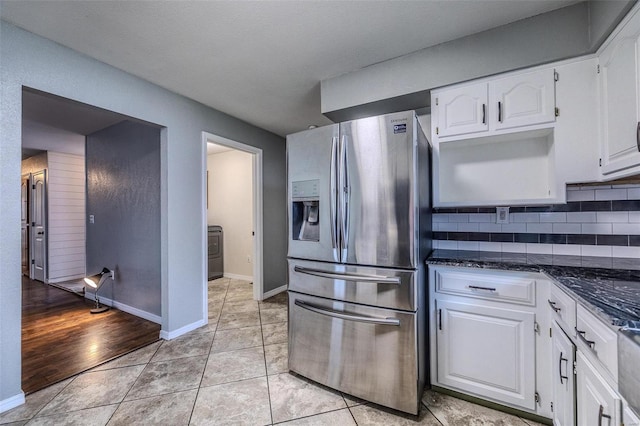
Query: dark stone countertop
[(608, 287)]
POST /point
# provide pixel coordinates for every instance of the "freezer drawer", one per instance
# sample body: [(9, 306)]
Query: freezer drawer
[(382, 287), (367, 352)]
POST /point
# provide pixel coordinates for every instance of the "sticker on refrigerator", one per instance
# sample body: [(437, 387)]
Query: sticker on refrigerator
[(399, 128)]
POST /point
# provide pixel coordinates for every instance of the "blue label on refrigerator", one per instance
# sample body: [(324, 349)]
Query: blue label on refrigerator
[(399, 128)]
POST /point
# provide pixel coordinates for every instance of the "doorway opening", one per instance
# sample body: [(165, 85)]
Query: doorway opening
[(69, 150), (232, 201)]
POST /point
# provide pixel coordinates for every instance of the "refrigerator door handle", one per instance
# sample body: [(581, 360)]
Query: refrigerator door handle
[(334, 182), (347, 276), (344, 199), (348, 317)]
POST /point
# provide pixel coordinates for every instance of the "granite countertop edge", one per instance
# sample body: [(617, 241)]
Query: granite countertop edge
[(580, 282)]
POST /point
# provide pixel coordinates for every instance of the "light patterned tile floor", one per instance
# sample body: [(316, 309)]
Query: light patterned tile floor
[(231, 371)]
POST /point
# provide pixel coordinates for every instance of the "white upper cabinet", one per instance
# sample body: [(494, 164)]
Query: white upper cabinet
[(462, 110), (492, 106), (523, 99), (619, 60)]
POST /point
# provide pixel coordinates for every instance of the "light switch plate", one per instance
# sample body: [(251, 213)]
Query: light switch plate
[(502, 214)]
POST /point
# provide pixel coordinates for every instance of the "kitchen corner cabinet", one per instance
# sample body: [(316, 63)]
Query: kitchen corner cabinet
[(485, 338), (619, 72)]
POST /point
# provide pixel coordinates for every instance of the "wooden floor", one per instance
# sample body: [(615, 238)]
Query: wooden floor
[(60, 338)]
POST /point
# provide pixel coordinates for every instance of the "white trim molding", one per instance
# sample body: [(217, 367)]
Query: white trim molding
[(168, 335), (12, 402), (275, 291), (126, 308), (239, 277)]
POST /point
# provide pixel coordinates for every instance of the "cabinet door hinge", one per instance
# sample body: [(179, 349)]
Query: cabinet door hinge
[(557, 111), (436, 101), (537, 397), (575, 366), (598, 69), (536, 327), (437, 130), (556, 76), (33, 261)]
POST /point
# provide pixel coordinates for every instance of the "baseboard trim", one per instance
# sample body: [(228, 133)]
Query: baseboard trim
[(168, 335), (275, 291), (11, 402), (65, 279), (126, 308), (239, 277)]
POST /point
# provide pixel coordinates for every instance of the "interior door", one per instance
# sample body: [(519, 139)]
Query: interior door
[(309, 177), (24, 223), (38, 226), (380, 185)]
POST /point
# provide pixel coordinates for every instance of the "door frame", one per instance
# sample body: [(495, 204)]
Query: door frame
[(256, 153)]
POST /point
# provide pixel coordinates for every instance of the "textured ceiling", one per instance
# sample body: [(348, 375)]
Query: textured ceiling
[(260, 61)]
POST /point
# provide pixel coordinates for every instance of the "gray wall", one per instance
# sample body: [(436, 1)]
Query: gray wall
[(404, 82), (123, 194), (32, 61)]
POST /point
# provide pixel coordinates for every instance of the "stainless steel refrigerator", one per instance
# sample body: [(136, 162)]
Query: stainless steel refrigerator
[(359, 233)]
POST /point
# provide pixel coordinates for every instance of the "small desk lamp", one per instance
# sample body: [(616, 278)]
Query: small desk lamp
[(95, 282)]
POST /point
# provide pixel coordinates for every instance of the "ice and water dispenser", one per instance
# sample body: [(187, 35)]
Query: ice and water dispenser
[(305, 200)]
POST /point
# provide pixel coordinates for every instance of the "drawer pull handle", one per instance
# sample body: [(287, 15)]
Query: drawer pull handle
[(553, 306), (562, 377), (601, 415), (484, 117), (347, 276), (581, 334), (348, 317), (477, 287)]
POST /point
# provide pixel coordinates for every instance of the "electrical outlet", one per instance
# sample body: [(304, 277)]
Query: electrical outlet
[(502, 214)]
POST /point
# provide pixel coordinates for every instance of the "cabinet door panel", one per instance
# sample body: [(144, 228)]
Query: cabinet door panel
[(523, 100), (598, 404), (620, 95), (563, 356), (487, 351), (462, 110)]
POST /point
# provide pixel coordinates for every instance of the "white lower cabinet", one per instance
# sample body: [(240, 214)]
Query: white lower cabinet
[(486, 336), (598, 404), (563, 357), (487, 351)]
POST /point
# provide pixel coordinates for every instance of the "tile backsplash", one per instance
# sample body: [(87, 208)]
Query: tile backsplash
[(601, 220)]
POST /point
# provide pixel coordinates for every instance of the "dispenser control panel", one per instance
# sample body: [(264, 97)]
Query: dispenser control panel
[(305, 189)]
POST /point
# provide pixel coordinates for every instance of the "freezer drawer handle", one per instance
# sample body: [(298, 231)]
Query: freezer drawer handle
[(347, 276), (349, 317)]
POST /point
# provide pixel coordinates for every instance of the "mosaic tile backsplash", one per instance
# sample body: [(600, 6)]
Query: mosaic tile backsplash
[(599, 220)]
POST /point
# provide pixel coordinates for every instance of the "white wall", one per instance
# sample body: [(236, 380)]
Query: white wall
[(66, 214), (32, 61), (231, 206)]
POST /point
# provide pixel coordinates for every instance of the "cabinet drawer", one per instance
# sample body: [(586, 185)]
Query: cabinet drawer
[(592, 333), (508, 287), (563, 309)]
